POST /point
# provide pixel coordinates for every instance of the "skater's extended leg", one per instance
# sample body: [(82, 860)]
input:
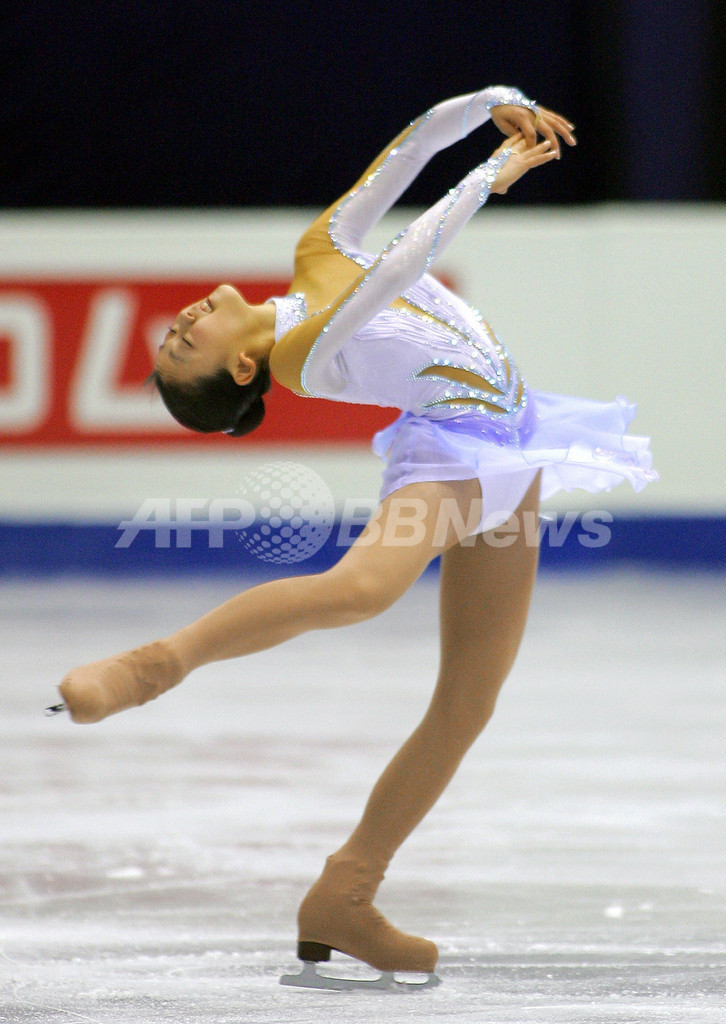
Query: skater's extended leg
[(369, 578), (485, 595)]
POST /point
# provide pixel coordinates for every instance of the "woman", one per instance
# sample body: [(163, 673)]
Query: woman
[(473, 446)]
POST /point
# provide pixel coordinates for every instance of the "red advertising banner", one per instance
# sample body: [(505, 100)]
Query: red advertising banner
[(74, 355)]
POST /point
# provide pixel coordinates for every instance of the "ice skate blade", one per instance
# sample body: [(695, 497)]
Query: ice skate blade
[(309, 978)]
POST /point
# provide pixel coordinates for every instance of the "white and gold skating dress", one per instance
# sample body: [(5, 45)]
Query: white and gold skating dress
[(380, 330)]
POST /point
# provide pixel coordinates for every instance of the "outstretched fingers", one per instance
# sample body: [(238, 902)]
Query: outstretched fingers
[(522, 159), (550, 125), (531, 123), (539, 154)]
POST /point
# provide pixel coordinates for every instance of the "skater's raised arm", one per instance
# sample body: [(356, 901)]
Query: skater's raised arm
[(307, 358), (391, 173)]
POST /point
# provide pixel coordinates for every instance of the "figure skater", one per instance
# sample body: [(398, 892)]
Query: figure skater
[(472, 440)]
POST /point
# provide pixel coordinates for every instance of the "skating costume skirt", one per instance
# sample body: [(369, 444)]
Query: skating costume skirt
[(577, 443)]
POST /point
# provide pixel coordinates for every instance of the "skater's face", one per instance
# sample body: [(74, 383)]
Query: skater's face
[(205, 337)]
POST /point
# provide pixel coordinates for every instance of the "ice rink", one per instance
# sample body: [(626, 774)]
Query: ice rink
[(151, 866)]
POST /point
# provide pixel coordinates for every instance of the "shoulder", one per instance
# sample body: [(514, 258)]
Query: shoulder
[(321, 272), (292, 351), (316, 240), (288, 357)]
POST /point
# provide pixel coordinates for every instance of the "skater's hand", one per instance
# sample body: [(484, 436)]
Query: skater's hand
[(522, 159), (511, 119)]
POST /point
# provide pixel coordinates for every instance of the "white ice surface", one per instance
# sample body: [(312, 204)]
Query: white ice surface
[(151, 866)]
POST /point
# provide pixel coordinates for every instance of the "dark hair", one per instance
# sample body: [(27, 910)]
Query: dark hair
[(216, 403)]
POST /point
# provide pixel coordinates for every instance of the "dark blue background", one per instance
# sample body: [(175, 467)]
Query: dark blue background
[(249, 104)]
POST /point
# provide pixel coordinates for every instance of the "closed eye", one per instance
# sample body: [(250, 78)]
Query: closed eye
[(173, 331)]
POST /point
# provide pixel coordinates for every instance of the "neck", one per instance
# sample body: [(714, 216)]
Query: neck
[(260, 331)]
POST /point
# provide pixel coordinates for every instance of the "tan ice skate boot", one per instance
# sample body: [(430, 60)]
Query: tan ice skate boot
[(337, 913), (102, 688)]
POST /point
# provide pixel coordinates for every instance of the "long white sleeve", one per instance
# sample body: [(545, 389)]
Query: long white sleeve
[(438, 128), (404, 260)]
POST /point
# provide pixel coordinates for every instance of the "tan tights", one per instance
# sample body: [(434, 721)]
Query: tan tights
[(485, 593)]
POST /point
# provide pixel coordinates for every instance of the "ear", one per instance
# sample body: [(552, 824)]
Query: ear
[(245, 369)]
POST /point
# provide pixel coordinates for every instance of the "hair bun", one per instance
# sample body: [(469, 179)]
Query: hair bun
[(248, 420)]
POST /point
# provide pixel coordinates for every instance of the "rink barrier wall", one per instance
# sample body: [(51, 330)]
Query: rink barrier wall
[(43, 550), (603, 300)]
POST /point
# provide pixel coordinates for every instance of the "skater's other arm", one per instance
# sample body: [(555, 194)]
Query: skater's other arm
[(391, 173), (306, 358)]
